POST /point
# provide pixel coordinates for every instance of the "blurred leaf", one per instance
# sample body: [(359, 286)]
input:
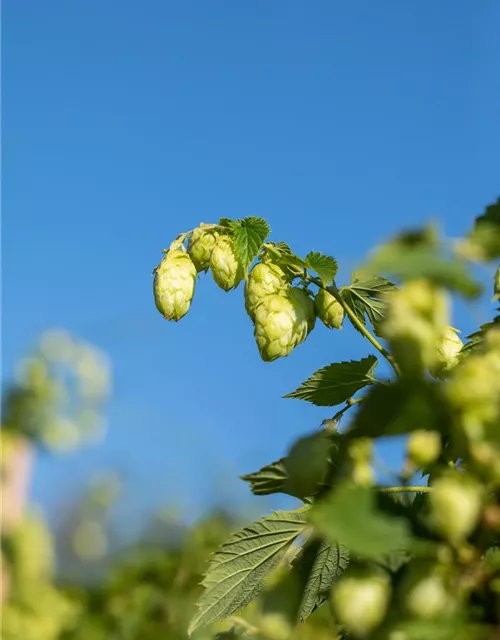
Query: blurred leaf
[(336, 383), (301, 472), (320, 564), (249, 235), (485, 235), (417, 255), (368, 298), (455, 628), (270, 479), (325, 266), (476, 339), (399, 408), (349, 517), (240, 566)]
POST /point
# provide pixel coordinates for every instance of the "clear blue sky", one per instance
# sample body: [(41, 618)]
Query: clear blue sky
[(127, 122)]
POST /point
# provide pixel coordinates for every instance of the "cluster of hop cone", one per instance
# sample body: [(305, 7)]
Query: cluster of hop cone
[(283, 315)]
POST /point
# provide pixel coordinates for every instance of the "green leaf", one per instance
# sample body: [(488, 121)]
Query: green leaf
[(270, 479), (226, 222), (485, 236), (319, 564), (368, 298), (349, 517), (456, 627), (284, 257), (301, 473), (417, 255), (400, 408), (336, 383), (325, 266), (476, 339), (249, 235), (239, 568)]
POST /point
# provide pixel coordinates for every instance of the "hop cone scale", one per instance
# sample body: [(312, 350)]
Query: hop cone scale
[(263, 280), (201, 244), (226, 269), (282, 322)]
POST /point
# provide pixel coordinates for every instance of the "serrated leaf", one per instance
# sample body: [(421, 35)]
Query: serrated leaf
[(301, 473), (240, 566), (226, 222), (336, 383), (417, 255), (249, 235), (283, 256), (400, 408), (485, 235), (270, 479), (325, 266), (319, 565), (475, 340), (368, 298), (348, 516)]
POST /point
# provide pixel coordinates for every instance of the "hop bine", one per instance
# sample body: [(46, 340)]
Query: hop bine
[(174, 282)]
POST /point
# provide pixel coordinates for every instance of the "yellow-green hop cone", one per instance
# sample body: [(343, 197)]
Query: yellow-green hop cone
[(360, 600), (329, 310), (423, 447), (303, 299), (449, 346), (282, 322), (174, 282), (263, 280), (455, 507), (424, 592), (226, 269), (201, 244)]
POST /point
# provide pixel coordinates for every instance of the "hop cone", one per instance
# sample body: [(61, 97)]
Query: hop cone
[(264, 279), (174, 282), (448, 348), (226, 269), (282, 322), (328, 310), (201, 244)]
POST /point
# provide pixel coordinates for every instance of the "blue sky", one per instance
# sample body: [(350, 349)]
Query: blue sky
[(125, 123)]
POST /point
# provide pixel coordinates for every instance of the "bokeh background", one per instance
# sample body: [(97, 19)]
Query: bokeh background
[(125, 123)]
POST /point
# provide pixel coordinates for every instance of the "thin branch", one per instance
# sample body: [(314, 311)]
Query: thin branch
[(403, 489)]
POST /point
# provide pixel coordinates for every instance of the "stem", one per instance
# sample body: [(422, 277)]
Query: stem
[(331, 423), (333, 290), (414, 489)]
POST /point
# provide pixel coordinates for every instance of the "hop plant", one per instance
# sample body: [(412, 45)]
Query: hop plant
[(224, 264), (449, 346), (174, 283), (417, 316), (328, 309), (496, 285), (263, 280), (456, 503), (423, 447), (282, 322), (200, 247), (425, 593), (360, 600)]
